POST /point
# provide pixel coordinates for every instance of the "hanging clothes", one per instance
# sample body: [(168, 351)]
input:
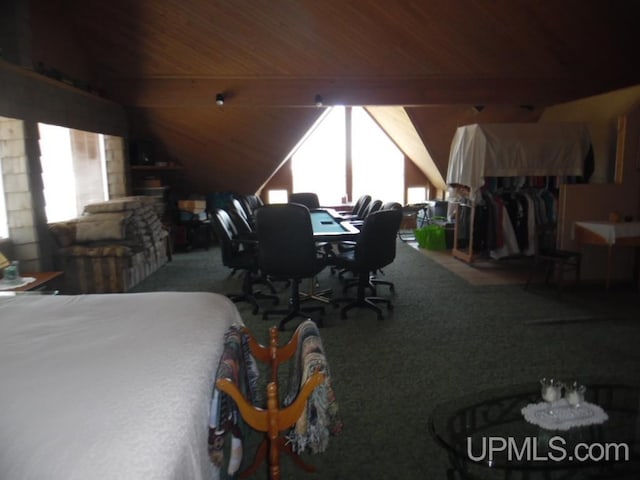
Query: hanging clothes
[(507, 217)]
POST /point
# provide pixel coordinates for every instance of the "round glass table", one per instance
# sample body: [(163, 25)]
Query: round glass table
[(486, 436)]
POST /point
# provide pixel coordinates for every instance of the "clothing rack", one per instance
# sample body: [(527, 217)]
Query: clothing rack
[(273, 420), (525, 206), (465, 254), (481, 151)]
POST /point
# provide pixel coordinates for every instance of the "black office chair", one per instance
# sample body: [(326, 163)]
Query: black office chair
[(250, 203), (374, 279), (368, 208), (391, 206), (239, 215), (373, 206), (308, 199), (375, 248), (287, 250), (359, 208), (312, 202), (255, 201), (239, 255)]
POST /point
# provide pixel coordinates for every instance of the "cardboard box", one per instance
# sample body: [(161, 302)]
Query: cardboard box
[(151, 182), (194, 206)]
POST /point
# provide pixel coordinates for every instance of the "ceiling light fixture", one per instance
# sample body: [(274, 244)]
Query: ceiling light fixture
[(220, 99), (318, 101)]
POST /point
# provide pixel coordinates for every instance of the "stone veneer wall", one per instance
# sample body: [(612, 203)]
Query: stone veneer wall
[(23, 230), (117, 172)]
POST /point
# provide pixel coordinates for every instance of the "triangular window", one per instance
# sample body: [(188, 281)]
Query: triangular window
[(348, 152)]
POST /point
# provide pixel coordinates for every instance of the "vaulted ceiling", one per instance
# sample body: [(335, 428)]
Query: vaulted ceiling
[(165, 60)]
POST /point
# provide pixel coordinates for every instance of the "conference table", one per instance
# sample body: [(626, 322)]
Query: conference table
[(610, 235), (329, 226)]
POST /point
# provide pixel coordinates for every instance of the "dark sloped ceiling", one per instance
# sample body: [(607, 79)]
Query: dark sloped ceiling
[(166, 60), (223, 148)]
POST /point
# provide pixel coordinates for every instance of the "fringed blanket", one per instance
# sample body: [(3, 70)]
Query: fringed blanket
[(319, 419), (238, 365)]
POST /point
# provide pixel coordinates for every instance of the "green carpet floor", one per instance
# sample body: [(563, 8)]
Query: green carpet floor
[(443, 339)]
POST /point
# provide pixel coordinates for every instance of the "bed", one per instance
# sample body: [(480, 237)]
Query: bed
[(109, 386)]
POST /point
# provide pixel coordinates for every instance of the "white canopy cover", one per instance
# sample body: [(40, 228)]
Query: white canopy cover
[(516, 149)]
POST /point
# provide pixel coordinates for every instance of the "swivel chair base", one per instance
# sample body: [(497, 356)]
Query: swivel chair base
[(373, 282), (313, 294), (367, 302), (248, 295), (294, 309), (363, 301)]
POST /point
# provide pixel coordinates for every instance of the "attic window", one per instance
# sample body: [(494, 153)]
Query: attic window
[(321, 162), (73, 170), (378, 164), (417, 195), (277, 196)]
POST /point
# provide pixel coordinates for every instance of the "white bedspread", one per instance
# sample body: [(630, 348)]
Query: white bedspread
[(108, 386)]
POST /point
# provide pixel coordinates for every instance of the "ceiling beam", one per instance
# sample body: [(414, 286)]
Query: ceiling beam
[(169, 92)]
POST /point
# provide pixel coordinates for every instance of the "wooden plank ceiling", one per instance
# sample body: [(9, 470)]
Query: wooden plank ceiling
[(166, 60)]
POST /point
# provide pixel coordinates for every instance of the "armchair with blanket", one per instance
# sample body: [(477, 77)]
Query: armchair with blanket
[(111, 247)]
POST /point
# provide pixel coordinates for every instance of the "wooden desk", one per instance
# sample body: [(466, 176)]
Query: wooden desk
[(609, 234), (41, 280)]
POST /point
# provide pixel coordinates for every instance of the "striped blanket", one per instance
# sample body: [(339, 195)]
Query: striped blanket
[(320, 418), (238, 365)]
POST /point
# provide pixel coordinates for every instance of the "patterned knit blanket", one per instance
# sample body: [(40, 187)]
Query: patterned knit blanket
[(238, 365), (320, 418)]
